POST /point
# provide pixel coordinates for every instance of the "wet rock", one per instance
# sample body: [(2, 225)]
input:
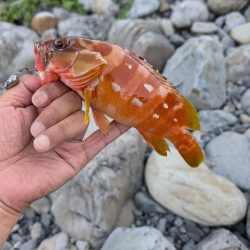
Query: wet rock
[(198, 70), (185, 191), (204, 27), (15, 49), (187, 12), (233, 20), (241, 33), (223, 7), (91, 26), (214, 119), (89, 206), (221, 239), (56, 242), (237, 62), (143, 37), (43, 21), (142, 8), (41, 206), (143, 238), (229, 155), (245, 101)]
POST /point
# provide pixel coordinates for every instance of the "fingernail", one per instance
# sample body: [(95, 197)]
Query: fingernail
[(40, 98), (42, 142), (37, 128)]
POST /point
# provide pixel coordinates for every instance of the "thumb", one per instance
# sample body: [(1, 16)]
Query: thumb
[(21, 94)]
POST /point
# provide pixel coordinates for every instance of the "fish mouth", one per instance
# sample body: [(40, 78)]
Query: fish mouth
[(43, 56)]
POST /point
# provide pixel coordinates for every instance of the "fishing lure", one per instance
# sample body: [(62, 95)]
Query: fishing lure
[(115, 82)]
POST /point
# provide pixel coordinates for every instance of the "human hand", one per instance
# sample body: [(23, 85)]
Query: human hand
[(31, 168)]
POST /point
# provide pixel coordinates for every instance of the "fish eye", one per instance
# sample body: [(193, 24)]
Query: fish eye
[(61, 43)]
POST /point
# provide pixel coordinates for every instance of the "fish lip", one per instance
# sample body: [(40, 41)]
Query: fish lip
[(44, 53)]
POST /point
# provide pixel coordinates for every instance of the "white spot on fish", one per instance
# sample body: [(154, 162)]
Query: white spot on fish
[(155, 116), (130, 66), (116, 87), (137, 102), (163, 91), (148, 87), (165, 106), (179, 106), (175, 120)]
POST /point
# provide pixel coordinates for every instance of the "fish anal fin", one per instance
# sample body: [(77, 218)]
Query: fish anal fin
[(157, 142), (101, 121)]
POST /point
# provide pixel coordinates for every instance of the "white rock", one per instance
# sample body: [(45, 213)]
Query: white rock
[(198, 69), (82, 245), (204, 27), (241, 33), (233, 20), (167, 27), (229, 155), (104, 7), (142, 8), (238, 61), (56, 242), (36, 231), (226, 6), (41, 206), (221, 239), (89, 206), (187, 12), (141, 238), (186, 191)]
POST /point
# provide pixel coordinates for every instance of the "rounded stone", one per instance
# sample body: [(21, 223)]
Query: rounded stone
[(226, 6), (241, 33), (186, 191)]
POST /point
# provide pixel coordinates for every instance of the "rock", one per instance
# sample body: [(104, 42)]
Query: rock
[(198, 69), (141, 8), (229, 154), (82, 245), (143, 37), (28, 245), (43, 21), (190, 246), (223, 7), (185, 191), (61, 14), (204, 27), (90, 26), (104, 7), (187, 12), (41, 206), (245, 101), (214, 119), (221, 239), (89, 206), (167, 27), (7, 246), (49, 34), (126, 217), (36, 231), (46, 219), (245, 119), (143, 238), (247, 14), (56, 242), (241, 33), (237, 62), (233, 20), (16, 43), (248, 223)]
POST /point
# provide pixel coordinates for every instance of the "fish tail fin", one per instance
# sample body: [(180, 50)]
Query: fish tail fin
[(186, 145)]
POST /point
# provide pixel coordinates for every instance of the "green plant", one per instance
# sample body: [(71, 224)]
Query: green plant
[(22, 11), (124, 11)]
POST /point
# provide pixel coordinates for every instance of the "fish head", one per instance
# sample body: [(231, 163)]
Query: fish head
[(67, 58)]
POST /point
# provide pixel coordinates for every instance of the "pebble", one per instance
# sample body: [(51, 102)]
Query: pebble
[(204, 28), (190, 246), (185, 191), (241, 33), (189, 11), (247, 14), (7, 246), (82, 245), (56, 242), (233, 20), (161, 225), (167, 27), (41, 206), (46, 219), (226, 6), (244, 118), (231, 160), (36, 231), (141, 8), (43, 21), (28, 245), (245, 101)]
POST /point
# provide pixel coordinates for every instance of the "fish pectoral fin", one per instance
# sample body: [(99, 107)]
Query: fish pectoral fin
[(101, 121), (86, 95), (157, 142)]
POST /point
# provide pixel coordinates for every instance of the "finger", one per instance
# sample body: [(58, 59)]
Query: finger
[(21, 94), (65, 130), (48, 93), (58, 110)]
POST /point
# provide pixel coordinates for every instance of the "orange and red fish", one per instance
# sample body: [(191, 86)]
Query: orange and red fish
[(117, 83)]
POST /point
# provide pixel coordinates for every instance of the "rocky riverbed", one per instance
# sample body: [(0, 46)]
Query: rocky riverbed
[(129, 197)]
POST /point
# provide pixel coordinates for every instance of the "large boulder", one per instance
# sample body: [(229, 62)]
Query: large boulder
[(198, 69), (143, 37), (89, 206)]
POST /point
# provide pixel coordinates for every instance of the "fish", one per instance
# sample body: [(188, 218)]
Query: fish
[(114, 82)]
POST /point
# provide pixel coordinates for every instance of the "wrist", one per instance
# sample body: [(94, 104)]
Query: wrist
[(8, 219)]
